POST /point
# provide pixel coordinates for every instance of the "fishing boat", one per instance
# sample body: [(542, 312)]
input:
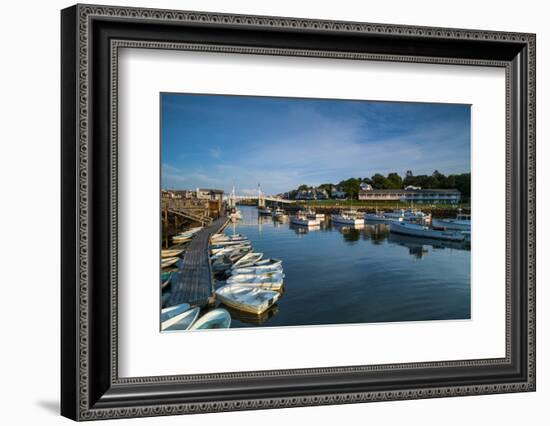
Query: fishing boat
[(215, 319), (260, 269), (169, 261), (462, 222), (348, 218), (418, 230), (253, 300), (181, 322), (411, 215), (264, 211), (170, 253), (303, 220), (377, 217), (248, 260), (278, 212), (311, 214)]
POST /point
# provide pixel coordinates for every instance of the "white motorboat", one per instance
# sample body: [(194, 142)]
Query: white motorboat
[(376, 217), (182, 321), (248, 260), (462, 222), (169, 261), (265, 211), (217, 318), (418, 230), (347, 219), (278, 212), (311, 214), (249, 299), (303, 220)]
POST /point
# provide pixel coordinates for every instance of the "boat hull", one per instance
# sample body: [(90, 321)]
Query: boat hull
[(451, 224), (423, 232), (253, 300)]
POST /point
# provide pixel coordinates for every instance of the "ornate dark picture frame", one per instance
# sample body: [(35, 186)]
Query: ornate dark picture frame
[(91, 37)]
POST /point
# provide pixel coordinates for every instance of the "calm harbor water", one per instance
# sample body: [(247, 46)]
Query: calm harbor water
[(339, 275)]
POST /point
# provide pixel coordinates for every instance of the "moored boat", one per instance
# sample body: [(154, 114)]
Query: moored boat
[(266, 281), (169, 261), (170, 253), (182, 321), (462, 222), (418, 230), (248, 260), (266, 211), (303, 220), (248, 299), (215, 319), (347, 219), (260, 269)]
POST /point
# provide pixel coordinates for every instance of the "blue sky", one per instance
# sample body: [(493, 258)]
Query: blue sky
[(215, 141)]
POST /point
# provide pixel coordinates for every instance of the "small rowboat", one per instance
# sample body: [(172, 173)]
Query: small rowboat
[(223, 237), (165, 263), (170, 253), (180, 322), (270, 281), (253, 300), (217, 318), (168, 313), (248, 260), (258, 270)]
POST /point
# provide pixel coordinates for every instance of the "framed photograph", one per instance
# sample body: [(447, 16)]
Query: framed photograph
[(263, 212)]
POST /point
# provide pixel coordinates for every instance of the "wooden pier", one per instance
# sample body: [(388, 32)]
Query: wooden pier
[(193, 283)]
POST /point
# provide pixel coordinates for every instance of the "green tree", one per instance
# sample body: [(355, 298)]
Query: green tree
[(394, 181), (379, 181)]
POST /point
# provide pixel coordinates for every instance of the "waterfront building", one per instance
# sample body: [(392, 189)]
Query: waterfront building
[(338, 192), (420, 196)]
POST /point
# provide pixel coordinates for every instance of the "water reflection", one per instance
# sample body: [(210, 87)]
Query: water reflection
[(337, 274)]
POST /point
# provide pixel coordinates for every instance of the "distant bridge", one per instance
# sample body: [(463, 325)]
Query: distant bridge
[(260, 198)]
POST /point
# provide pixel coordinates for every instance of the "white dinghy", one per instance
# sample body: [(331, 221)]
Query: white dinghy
[(217, 318), (253, 300), (258, 270), (269, 281), (181, 322), (248, 260), (169, 261), (170, 253)]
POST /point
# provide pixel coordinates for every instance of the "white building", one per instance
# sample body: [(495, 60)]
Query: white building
[(420, 196)]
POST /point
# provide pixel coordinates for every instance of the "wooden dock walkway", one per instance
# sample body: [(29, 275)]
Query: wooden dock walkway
[(193, 283)]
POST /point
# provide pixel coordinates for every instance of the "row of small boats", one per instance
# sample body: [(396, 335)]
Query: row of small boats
[(250, 283), (407, 222)]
